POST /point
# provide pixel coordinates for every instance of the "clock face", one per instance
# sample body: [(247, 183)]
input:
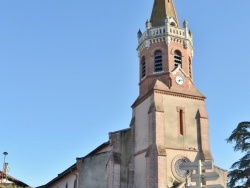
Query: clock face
[(179, 80), (181, 172)]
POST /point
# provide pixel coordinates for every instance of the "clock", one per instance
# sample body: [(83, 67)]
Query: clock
[(179, 80), (179, 171)]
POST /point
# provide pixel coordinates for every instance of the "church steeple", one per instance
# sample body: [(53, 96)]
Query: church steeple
[(165, 50), (161, 10), (169, 124)]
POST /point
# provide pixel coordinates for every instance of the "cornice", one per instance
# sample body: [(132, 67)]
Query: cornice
[(140, 99), (167, 148), (167, 34)]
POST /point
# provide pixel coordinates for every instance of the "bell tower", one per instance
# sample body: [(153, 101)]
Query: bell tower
[(165, 50), (170, 123)]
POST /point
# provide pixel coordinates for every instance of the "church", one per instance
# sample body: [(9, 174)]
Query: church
[(169, 123)]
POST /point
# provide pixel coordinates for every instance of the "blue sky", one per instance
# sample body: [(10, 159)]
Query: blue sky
[(69, 74)]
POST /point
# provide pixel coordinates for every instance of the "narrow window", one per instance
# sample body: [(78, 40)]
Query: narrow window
[(75, 184), (181, 120), (143, 67), (177, 59), (158, 61), (190, 68), (66, 185)]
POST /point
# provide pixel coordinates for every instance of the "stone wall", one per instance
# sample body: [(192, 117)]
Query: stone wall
[(93, 171)]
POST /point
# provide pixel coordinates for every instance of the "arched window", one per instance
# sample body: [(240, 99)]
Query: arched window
[(75, 184), (66, 185), (158, 61), (177, 59), (143, 67), (172, 24)]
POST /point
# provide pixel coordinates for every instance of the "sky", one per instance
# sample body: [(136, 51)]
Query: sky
[(69, 75)]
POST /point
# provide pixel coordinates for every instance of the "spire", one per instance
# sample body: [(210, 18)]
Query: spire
[(162, 9)]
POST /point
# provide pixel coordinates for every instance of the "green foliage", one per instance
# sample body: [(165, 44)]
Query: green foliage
[(175, 183), (12, 186), (239, 176), (9, 186)]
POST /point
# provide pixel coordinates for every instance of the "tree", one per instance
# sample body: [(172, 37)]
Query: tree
[(12, 186), (239, 176)]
